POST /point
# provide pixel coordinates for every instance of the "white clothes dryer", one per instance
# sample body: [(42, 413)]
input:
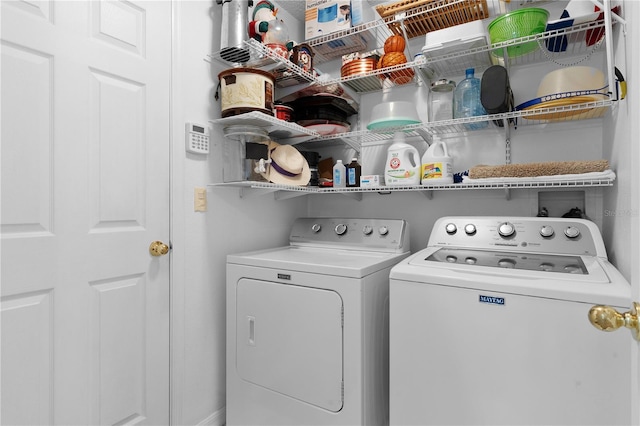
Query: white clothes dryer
[(307, 325), (489, 326)]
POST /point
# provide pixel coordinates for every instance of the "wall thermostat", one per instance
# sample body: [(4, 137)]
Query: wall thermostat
[(197, 138)]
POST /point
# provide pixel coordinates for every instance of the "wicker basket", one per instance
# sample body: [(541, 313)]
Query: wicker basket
[(422, 16)]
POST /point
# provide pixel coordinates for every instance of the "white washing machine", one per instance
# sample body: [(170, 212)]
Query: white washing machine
[(489, 325), (307, 325)]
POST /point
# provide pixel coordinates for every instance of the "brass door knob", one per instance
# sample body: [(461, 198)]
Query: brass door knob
[(158, 248), (606, 318)]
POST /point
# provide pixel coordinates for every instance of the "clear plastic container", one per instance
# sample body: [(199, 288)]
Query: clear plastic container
[(466, 101), (441, 100)]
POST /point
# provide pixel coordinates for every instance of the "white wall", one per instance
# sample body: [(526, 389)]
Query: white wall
[(201, 240)]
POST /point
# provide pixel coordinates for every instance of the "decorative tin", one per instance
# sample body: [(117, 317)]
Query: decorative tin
[(302, 56), (245, 90)]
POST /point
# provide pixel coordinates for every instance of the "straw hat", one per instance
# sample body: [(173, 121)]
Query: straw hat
[(287, 167)]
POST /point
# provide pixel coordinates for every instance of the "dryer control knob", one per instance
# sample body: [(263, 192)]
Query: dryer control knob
[(451, 228), (367, 230), (506, 229), (547, 231), (383, 230), (470, 229), (341, 229), (316, 228), (572, 232)]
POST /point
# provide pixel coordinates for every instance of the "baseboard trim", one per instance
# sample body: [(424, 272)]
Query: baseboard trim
[(216, 419)]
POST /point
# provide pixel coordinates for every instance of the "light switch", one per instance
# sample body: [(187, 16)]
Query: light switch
[(200, 199)]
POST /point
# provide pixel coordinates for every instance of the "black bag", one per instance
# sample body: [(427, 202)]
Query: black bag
[(495, 92)]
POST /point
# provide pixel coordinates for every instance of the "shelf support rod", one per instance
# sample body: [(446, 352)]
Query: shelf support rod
[(285, 195), (406, 37), (608, 38), (507, 144), (353, 195), (606, 7)]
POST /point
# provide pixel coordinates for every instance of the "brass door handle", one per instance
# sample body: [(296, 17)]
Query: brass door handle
[(158, 248), (606, 318)]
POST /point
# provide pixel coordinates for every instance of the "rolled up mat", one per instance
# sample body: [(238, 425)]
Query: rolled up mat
[(551, 168)]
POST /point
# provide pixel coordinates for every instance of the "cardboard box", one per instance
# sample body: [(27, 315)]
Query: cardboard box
[(369, 181), (323, 17)]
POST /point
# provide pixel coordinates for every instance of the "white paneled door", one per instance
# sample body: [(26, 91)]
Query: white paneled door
[(85, 190)]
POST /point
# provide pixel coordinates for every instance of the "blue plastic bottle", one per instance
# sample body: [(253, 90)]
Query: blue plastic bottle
[(466, 101)]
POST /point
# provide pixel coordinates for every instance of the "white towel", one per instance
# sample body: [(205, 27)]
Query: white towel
[(606, 175)]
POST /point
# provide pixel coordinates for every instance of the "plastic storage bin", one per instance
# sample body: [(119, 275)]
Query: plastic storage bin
[(448, 41)]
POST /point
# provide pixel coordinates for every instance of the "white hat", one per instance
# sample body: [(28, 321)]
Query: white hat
[(287, 166)]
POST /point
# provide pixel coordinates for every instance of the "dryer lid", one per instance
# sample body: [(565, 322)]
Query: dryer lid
[(322, 261)]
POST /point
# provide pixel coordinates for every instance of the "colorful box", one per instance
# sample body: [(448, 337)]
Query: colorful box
[(323, 17), (369, 181)]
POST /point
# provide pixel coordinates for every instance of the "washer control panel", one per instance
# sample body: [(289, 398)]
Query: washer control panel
[(363, 234), (526, 234)]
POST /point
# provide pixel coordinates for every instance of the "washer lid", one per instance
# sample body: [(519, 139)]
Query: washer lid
[(562, 264), (523, 266), (602, 284), (322, 261)]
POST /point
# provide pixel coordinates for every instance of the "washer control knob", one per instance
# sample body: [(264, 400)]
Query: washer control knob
[(470, 229), (573, 269), (506, 229), (341, 229), (546, 267), (571, 232), (316, 228), (546, 231), (507, 263), (451, 228), (383, 230), (367, 230)]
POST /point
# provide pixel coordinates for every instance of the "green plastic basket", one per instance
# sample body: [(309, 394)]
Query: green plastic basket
[(520, 23)]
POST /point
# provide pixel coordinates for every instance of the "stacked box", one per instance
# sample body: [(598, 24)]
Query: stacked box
[(323, 17)]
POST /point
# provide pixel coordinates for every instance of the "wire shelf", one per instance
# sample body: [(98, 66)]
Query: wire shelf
[(584, 111), (564, 47), (417, 17), (360, 38), (524, 184), (283, 131), (293, 134), (285, 72)]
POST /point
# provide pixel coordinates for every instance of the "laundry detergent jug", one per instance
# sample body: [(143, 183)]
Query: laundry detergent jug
[(403, 163), (437, 167)]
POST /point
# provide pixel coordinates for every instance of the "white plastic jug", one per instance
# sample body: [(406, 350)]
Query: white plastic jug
[(437, 166), (403, 163)]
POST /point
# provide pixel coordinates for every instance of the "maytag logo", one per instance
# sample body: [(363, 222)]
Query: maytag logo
[(492, 300), (284, 277)]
